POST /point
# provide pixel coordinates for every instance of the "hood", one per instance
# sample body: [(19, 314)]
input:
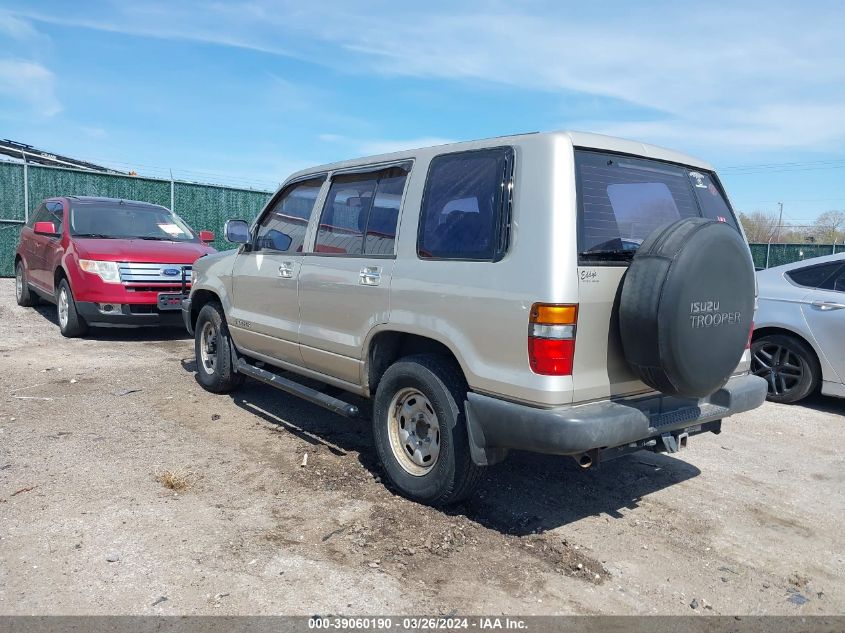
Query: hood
[(142, 251)]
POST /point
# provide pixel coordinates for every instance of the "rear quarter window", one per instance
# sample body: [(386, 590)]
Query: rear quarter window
[(466, 206), (821, 276)]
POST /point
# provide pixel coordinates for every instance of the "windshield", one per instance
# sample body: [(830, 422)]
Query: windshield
[(128, 221), (621, 200)]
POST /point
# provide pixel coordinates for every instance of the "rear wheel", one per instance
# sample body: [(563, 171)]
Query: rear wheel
[(70, 323), (23, 294), (789, 366), (420, 433), (213, 349)]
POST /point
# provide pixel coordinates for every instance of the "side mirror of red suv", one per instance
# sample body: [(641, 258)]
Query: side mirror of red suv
[(206, 236), (45, 228)]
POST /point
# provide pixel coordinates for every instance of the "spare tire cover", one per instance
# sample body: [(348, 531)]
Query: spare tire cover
[(686, 307)]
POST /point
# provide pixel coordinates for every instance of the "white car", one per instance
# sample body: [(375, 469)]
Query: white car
[(799, 329)]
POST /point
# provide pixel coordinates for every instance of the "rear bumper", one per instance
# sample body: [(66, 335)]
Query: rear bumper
[(495, 425), (123, 314)]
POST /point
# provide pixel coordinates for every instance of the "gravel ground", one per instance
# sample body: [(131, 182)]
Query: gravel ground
[(93, 431)]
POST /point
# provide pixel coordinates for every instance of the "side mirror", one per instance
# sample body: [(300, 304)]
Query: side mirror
[(45, 228), (206, 236), (236, 231)]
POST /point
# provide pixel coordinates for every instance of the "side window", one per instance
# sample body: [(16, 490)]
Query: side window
[(823, 277), (345, 213), (361, 213), (283, 227), (55, 214), (466, 204), (38, 215)]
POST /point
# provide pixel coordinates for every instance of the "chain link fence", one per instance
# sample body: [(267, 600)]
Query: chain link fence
[(23, 187)]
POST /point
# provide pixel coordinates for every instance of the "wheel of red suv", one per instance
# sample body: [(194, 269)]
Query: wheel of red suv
[(70, 323), (212, 346), (420, 433), (789, 366), (23, 294)]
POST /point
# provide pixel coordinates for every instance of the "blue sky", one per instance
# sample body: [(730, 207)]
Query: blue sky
[(246, 92)]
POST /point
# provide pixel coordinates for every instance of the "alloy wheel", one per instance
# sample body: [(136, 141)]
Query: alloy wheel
[(63, 307), (782, 368)]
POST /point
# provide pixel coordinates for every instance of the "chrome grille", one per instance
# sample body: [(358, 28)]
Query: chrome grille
[(137, 273)]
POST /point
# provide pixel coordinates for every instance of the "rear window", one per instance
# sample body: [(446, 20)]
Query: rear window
[(621, 200)]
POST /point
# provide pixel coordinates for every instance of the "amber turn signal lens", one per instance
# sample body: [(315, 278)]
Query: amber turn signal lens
[(554, 314)]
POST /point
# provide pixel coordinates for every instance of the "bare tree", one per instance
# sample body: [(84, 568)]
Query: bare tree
[(830, 227), (760, 227)]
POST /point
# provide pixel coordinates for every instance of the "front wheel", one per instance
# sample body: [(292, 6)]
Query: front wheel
[(420, 431), (213, 349), (71, 324), (789, 366)]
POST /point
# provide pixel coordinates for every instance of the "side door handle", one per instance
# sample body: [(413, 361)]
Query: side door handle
[(827, 306), (286, 270), (370, 276)]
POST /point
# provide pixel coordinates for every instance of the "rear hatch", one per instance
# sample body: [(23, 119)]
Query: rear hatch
[(621, 199)]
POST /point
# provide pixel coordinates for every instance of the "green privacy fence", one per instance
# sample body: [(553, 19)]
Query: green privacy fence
[(201, 206), (768, 255)]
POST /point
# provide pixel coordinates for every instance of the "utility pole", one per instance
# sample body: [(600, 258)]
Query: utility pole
[(780, 221)]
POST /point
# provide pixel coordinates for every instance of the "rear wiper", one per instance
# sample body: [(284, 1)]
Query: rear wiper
[(613, 254)]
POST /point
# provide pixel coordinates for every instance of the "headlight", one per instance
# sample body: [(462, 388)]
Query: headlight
[(107, 271), (193, 276)]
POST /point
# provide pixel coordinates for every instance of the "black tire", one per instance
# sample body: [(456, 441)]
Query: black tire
[(215, 367), (453, 475), (23, 293), (789, 366), (71, 324), (686, 307)]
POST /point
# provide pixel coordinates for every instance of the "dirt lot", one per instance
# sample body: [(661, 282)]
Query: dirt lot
[(92, 430)]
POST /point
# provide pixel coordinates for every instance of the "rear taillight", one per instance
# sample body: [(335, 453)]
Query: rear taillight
[(551, 338), (750, 334)]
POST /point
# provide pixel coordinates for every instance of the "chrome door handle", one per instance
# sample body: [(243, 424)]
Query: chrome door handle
[(370, 276), (826, 306), (286, 270)]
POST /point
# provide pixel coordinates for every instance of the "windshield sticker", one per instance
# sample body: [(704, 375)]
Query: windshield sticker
[(171, 229), (699, 179)]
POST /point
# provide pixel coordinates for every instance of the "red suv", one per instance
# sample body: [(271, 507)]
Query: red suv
[(107, 261)]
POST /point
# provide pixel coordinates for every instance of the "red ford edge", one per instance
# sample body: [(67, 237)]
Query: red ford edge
[(106, 261)]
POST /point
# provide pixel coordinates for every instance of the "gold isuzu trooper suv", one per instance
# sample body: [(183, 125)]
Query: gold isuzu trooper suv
[(562, 293)]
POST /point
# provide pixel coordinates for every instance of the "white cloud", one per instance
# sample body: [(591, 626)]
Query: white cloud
[(756, 74), (15, 28), (29, 82)]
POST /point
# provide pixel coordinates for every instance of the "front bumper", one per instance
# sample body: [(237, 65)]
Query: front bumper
[(127, 314), (495, 425)]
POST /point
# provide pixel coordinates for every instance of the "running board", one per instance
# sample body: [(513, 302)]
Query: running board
[(306, 393)]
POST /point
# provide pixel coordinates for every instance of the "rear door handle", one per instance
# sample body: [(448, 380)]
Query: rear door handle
[(370, 276), (826, 306), (286, 270)]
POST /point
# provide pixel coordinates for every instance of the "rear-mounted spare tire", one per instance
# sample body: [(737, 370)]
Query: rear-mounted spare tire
[(686, 307)]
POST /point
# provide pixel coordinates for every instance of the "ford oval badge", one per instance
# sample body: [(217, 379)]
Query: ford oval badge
[(171, 272)]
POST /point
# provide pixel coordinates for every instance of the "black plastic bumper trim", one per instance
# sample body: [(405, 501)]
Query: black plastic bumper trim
[(495, 425)]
